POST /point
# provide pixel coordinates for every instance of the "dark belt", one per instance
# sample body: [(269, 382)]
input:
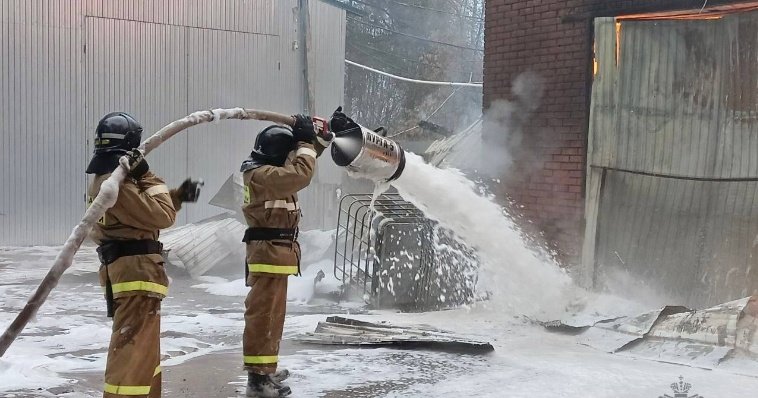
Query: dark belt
[(257, 233), (112, 250)]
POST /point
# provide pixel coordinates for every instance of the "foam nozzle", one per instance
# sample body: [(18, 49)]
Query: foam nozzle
[(367, 154)]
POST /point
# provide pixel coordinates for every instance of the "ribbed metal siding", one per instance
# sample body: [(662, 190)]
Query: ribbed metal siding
[(50, 105), (139, 68), (42, 146), (228, 69), (328, 32), (681, 105), (251, 16), (683, 99), (320, 201)]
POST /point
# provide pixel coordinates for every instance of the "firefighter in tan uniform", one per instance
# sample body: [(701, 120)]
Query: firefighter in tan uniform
[(132, 272), (281, 164)]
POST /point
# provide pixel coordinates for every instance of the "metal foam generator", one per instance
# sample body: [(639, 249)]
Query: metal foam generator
[(368, 154)]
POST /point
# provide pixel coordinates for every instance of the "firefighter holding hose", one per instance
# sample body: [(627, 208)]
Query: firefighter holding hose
[(282, 163), (132, 271)]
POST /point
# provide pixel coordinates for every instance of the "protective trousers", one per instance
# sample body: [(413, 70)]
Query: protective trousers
[(132, 369), (265, 307)]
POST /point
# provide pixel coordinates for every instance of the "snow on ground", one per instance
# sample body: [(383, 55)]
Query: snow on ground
[(528, 362), (202, 325), (300, 290)]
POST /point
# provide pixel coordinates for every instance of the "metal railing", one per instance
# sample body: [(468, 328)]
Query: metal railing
[(389, 253)]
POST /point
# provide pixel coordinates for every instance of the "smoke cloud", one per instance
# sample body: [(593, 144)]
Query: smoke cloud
[(504, 123)]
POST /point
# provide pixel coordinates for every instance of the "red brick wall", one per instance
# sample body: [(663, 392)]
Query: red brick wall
[(554, 39)]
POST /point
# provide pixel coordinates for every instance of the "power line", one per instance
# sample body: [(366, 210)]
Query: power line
[(438, 11), (405, 79), (376, 58), (363, 48), (379, 50), (430, 115), (415, 37)]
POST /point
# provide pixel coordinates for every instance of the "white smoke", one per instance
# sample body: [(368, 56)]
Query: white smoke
[(503, 126)]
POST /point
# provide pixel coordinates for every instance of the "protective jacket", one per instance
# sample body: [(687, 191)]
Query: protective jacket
[(142, 209), (271, 206), (272, 213), (135, 281)]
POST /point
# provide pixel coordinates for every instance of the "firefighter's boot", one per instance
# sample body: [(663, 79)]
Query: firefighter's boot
[(264, 386), (280, 375)]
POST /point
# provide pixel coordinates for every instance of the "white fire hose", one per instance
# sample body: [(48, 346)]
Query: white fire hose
[(106, 198)]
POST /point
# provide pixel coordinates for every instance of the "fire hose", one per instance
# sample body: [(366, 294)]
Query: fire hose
[(106, 198)]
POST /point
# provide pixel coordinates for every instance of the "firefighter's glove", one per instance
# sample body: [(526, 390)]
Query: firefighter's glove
[(303, 130), (137, 164), (189, 191), (341, 123)]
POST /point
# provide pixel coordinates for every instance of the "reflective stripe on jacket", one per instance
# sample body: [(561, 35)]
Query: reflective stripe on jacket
[(142, 209), (271, 202)]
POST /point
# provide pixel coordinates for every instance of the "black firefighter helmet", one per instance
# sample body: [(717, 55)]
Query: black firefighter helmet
[(116, 133), (272, 146)]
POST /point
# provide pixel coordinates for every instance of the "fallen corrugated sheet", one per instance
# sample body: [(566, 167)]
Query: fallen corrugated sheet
[(201, 246), (230, 196), (456, 150), (702, 338), (344, 331), (613, 335)]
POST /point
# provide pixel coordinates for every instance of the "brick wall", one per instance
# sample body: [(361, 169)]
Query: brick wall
[(554, 39)]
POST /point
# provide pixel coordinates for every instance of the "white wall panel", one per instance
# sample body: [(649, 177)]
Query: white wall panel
[(228, 69), (42, 148), (139, 68), (156, 59)]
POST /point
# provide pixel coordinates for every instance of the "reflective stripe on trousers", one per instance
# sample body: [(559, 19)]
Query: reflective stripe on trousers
[(261, 359), (130, 390), (273, 269), (144, 286)]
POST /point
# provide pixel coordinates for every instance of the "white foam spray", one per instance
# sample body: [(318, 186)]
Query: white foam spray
[(521, 280)]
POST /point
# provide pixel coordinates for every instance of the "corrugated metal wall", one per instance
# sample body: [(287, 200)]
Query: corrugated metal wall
[(66, 63), (329, 59), (673, 148)]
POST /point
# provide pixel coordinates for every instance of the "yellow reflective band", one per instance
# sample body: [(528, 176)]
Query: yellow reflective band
[(305, 152), (281, 204), (90, 199), (127, 390), (261, 359), (157, 190), (272, 269), (247, 194), (157, 370), (140, 285)]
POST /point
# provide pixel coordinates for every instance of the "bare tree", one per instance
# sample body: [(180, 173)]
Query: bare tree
[(422, 39)]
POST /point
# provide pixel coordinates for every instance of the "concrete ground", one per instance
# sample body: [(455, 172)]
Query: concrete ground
[(62, 353)]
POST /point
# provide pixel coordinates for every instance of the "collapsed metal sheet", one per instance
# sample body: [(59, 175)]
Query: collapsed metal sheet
[(611, 336), (231, 195), (680, 352), (702, 338), (201, 246), (344, 331)]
